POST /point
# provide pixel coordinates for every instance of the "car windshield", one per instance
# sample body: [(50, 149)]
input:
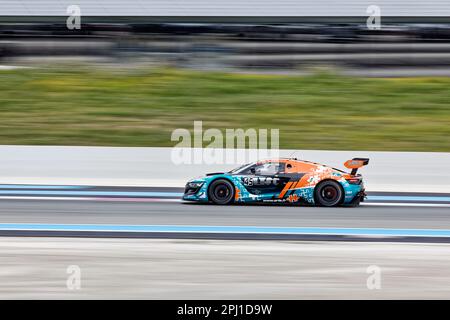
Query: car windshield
[(241, 168), (259, 168)]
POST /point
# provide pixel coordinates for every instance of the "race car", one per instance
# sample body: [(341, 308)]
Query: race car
[(281, 180)]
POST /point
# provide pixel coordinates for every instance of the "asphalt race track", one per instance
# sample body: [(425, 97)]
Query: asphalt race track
[(174, 213), (125, 211)]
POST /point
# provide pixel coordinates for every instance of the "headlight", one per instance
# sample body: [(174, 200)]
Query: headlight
[(195, 184)]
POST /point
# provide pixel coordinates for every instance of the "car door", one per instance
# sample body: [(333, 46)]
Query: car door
[(263, 178)]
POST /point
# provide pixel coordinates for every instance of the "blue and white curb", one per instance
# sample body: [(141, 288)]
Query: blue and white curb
[(129, 194), (38, 187), (250, 232), (86, 193)]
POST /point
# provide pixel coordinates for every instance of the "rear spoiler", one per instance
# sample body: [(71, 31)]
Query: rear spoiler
[(355, 164)]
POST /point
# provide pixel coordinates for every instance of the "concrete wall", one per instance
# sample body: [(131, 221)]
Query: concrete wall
[(387, 171)]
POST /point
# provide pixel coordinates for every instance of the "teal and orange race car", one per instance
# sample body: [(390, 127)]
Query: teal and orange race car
[(281, 180)]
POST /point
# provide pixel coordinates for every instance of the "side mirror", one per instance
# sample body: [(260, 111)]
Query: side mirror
[(252, 170)]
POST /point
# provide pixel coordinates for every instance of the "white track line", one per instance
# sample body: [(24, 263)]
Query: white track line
[(90, 199), (406, 204)]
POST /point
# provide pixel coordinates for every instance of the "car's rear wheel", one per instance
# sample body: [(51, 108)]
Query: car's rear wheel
[(329, 193), (221, 191)]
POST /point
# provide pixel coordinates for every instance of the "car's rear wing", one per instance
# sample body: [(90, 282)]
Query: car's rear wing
[(355, 164)]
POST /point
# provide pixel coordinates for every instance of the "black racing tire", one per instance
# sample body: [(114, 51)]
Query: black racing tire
[(329, 193), (221, 191)]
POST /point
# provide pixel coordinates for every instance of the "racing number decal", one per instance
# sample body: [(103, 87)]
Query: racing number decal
[(260, 181), (247, 181)]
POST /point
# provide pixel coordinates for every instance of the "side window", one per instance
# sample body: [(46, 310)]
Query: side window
[(249, 170), (269, 168)]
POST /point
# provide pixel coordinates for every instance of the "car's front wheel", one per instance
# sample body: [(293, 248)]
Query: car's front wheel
[(221, 191), (329, 193)]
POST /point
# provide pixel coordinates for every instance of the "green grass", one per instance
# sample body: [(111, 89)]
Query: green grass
[(141, 108)]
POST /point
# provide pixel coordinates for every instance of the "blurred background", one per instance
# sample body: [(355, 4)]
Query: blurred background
[(132, 74)]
